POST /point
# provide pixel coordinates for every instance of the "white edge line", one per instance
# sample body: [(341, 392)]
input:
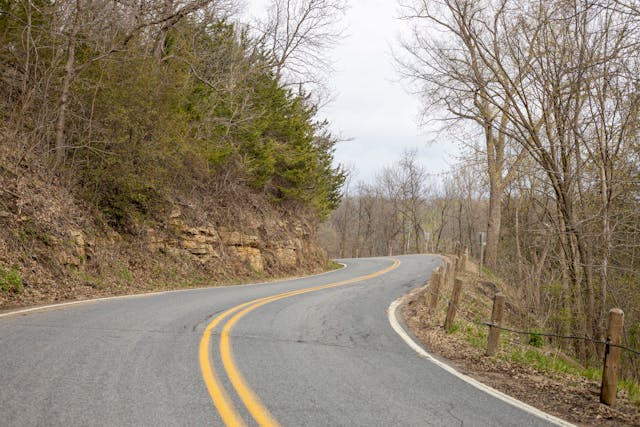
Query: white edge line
[(395, 324), (148, 294)]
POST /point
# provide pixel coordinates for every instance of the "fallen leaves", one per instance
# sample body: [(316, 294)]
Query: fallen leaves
[(572, 398)]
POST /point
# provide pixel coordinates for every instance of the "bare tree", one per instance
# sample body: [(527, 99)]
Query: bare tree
[(559, 79), (296, 36), (444, 62)]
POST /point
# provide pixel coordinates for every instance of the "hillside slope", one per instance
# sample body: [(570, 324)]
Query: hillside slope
[(152, 148), (54, 246)]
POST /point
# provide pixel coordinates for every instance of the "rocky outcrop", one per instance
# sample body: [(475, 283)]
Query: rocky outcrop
[(201, 242), (64, 249), (251, 256), (238, 239), (287, 256), (260, 244), (73, 250)]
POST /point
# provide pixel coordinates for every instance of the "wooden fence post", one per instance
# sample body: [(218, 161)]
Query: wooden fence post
[(453, 305), (434, 288), (612, 357), (448, 272), (496, 319)]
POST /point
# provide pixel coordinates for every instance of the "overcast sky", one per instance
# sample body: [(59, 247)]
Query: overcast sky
[(370, 107)]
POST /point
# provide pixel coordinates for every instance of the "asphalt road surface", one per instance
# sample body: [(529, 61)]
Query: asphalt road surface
[(322, 354)]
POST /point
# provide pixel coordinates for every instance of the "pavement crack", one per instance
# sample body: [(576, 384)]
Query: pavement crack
[(205, 320), (352, 345), (450, 412)]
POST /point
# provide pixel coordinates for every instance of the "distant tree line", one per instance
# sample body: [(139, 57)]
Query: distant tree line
[(405, 210), (138, 99)]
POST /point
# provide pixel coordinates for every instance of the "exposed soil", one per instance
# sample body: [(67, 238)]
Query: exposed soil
[(61, 248), (572, 398)]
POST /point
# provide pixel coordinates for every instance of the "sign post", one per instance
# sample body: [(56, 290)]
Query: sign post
[(482, 240), (427, 238)]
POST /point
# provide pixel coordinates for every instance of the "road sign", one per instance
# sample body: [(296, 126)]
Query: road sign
[(482, 238)]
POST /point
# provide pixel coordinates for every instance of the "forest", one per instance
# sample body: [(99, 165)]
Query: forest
[(543, 98), (133, 103)]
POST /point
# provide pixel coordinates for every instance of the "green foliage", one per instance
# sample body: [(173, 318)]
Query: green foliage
[(544, 362), (125, 199), (475, 335), (10, 280), (125, 275), (334, 265), (261, 129), (140, 128), (632, 387), (633, 335), (535, 340), (455, 327), (592, 373)]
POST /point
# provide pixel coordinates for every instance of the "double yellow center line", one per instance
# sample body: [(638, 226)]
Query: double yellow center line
[(221, 400)]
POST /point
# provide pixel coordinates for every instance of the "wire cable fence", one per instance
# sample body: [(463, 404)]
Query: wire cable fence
[(464, 314), (447, 276)]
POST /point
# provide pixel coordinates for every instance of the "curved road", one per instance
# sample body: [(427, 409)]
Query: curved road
[(325, 356)]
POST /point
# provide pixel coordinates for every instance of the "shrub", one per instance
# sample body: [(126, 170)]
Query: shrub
[(535, 340), (10, 280)]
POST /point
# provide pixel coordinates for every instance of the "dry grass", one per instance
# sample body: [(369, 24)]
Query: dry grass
[(543, 377), (40, 212)]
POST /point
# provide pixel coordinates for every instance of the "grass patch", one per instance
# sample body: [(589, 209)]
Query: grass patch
[(125, 275), (543, 362), (632, 388), (332, 265), (592, 373), (553, 364), (194, 282), (95, 282), (475, 335), (455, 328), (10, 280)]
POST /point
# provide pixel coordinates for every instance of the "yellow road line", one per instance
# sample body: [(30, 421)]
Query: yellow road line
[(255, 407), (218, 395), (220, 398)]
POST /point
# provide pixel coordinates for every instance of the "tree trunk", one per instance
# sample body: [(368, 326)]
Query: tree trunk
[(493, 224), (441, 227), (606, 252), (161, 37), (517, 238), (60, 144)]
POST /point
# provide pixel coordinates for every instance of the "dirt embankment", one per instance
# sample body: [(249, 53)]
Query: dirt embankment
[(56, 247), (565, 395)]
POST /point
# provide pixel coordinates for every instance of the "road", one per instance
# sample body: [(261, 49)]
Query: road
[(322, 355)]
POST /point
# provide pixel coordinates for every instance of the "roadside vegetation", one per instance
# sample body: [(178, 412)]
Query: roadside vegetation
[(530, 367), (10, 280), (130, 133), (137, 105)]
